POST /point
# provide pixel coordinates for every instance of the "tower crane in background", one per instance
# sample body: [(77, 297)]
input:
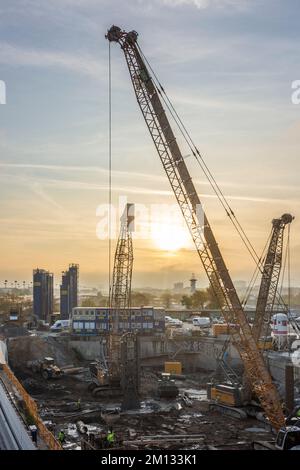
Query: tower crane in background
[(148, 97), (270, 278)]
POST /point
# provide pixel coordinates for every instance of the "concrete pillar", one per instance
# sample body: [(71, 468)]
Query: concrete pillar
[(289, 387)]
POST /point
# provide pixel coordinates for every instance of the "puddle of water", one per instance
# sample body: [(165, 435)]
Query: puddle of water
[(196, 394), (71, 446), (93, 428), (72, 430), (191, 415), (256, 430)]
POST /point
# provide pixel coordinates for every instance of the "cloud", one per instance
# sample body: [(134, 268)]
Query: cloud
[(38, 190), (127, 177), (202, 4), (81, 169), (83, 64)]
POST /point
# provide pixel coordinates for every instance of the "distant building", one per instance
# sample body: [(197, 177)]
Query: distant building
[(98, 320), (69, 291), (42, 294), (64, 295), (193, 281), (178, 287)]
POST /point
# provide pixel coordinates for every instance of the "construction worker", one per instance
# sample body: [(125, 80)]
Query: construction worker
[(61, 437), (103, 443), (110, 438), (33, 431)]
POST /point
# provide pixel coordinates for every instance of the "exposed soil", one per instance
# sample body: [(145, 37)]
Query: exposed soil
[(58, 404)]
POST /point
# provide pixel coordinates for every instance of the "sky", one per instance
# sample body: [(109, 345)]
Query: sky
[(228, 67)]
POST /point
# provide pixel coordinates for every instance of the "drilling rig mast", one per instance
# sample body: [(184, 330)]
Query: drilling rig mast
[(270, 278), (120, 291), (123, 262)]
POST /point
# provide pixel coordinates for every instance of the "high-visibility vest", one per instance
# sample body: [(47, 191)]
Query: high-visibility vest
[(110, 437)]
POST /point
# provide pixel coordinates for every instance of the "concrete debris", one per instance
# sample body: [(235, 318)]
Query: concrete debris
[(255, 429)]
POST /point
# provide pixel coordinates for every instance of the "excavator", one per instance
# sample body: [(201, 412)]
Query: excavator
[(149, 92)]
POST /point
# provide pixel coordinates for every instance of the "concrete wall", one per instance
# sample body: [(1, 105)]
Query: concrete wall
[(89, 348), (200, 353), (3, 353), (277, 363)]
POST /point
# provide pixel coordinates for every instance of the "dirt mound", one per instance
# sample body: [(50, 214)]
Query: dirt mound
[(29, 348)]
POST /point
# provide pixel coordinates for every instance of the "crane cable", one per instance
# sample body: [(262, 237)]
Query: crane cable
[(284, 267), (280, 301), (216, 188), (289, 268), (287, 306), (256, 273), (220, 195), (109, 172)]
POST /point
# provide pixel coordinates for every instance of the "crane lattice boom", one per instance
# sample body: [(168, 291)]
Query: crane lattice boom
[(174, 165), (270, 278), (123, 262), (121, 289)]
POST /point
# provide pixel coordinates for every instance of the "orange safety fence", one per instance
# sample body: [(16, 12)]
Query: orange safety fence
[(32, 408)]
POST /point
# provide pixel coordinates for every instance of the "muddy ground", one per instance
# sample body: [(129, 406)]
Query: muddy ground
[(187, 419), (157, 421)]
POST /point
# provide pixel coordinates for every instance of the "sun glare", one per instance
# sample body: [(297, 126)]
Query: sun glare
[(169, 237)]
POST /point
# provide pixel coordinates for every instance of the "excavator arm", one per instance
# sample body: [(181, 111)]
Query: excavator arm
[(148, 98)]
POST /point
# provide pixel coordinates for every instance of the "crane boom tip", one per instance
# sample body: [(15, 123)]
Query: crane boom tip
[(116, 34)]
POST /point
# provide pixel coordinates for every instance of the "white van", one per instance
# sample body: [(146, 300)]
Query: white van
[(204, 322), (60, 325)]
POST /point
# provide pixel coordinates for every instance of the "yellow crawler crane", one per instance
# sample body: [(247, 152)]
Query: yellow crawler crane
[(148, 97)]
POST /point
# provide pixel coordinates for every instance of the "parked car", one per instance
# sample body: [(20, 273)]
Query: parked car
[(175, 322), (204, 322)]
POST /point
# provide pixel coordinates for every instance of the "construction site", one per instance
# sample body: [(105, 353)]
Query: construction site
[(123, 377)]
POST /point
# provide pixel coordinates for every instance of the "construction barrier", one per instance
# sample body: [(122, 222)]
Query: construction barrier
[(31, 407)]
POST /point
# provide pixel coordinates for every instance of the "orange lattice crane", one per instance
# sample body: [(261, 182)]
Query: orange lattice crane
[(148, 97)]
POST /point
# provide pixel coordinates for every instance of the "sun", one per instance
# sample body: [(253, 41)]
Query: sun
[(169, 237)]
